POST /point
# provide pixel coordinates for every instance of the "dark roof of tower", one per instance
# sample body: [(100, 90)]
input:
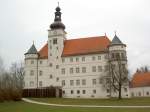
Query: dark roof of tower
[(57, 24), (116, 40), (32, 50)]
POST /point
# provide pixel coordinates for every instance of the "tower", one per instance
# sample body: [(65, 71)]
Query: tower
[(56, 38), (31, 67), (118, 68)]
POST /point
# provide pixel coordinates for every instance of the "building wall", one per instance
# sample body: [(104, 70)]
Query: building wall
[(56, 70), (140, 92), (90, 75)]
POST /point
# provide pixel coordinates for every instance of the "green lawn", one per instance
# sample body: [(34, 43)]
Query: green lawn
[(133, 101), (27, 107)]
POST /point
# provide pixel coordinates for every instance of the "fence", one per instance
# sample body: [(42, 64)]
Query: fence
[(42, 92)]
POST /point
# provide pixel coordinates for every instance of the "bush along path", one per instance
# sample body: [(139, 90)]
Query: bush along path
[(85, 106)]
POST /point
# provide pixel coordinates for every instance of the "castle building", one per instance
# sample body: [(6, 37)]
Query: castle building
[(140, 85), (75, 65)]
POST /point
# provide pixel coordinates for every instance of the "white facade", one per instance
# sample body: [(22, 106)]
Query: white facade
[(79, 76), (140, 92)]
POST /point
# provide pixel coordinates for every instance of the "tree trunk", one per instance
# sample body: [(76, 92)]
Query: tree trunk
[(119, 96)]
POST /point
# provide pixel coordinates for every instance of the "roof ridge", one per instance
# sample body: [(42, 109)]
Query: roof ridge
[(88, 37)]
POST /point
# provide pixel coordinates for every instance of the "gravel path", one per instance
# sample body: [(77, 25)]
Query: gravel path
[(86, 106)]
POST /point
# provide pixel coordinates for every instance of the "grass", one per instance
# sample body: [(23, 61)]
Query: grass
[(132, 101), (21, 106)]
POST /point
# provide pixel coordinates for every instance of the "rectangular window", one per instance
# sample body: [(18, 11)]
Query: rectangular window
[(71, 92), (78, 91), (106, 67), (93, 58), (112, 55), (83, 58), (71, 70), (77, 70), (99, 68), (77, 82), (93, 68), (71, 59), (51, 76), (40, 83), (55, 41), (40, 62), (40, 73), (63, 71), (71, 82), (94, 91), (57, 79), (83, 92), (99, 57), (63, 60), (83, 69), (108, 91), (57, 66), (31, 73), (106, 56), (32, 62), (31, 83), (63, 82), (83, 82), (125, 89), (94, 81), (77, 59)]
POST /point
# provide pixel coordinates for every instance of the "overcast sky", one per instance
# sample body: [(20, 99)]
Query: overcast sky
[(22, 21)]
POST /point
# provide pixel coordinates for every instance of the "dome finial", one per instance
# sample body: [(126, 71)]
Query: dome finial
[(58, 4)]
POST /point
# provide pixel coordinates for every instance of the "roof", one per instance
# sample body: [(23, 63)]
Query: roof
[(116, 40), (32, 50), (43, 53), (82, 46), (140, 79)]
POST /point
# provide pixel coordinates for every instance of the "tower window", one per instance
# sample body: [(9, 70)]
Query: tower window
[(32, 62), (55, 41), (40, 73), (31, 73)]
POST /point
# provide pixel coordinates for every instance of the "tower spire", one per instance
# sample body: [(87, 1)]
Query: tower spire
[(57, 24)]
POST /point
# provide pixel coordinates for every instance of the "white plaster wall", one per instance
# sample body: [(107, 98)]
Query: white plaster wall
[(142, 90)]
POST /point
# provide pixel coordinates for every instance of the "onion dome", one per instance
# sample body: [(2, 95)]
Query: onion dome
[(57, 24)]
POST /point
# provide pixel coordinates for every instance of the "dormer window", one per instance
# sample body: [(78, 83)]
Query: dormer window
[(55, 41)]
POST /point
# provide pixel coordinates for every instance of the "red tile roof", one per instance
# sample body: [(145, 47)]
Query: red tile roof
[(140, 80), (43, 53), (80, 46)]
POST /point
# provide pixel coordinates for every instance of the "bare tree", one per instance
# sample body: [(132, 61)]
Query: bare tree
[(117, 76), (17, 74)]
